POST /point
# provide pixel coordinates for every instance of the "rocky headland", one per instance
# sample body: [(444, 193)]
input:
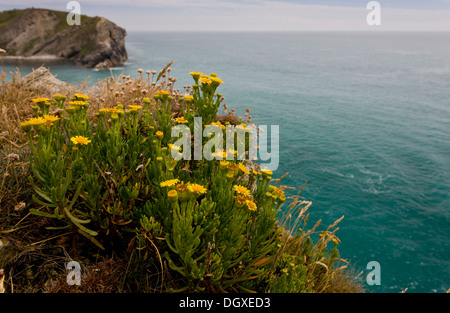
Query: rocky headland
[(34, 33)]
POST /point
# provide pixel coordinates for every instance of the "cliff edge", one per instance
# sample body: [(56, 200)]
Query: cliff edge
[(95, 43)]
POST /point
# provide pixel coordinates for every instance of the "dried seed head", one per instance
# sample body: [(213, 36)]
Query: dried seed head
[(20, 206), (13, 157)]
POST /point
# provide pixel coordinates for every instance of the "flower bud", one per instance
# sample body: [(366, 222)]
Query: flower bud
[(172, 195)]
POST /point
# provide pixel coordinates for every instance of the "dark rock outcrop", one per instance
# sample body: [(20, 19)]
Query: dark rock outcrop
[(95, 43)]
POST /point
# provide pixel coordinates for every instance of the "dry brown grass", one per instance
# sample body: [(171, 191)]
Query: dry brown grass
[(325, 272)]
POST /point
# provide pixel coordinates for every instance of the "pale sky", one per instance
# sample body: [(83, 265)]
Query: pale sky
[(258, 15)]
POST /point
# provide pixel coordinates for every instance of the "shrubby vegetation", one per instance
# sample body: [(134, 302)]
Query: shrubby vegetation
[(102, 185)]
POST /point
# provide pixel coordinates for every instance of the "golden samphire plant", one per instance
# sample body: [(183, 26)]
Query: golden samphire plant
[(108, 174)]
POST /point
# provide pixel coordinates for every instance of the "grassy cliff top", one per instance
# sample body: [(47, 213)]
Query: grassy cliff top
[(8, 16)]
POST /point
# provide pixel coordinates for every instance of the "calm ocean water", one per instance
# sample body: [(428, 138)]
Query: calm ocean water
[(364, 117)]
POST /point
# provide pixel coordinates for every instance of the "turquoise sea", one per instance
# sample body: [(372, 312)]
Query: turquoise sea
[(363, 117)]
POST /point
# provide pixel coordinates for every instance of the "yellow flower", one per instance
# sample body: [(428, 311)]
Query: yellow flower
[(171, 146), (195, 75), (26, 126), (188, 98), (133, 107), (219, 154), (324, 233), (59, 97), (113, 110), (51, 118), (169, 183), (224, 163), (243, 168), (78, 102), (216, 80), (70, 109), (181, 120), (159, 134), (39, 100), (163, 93), (36, 121), (267, 172), (80, 96), (229, 154), (218, 124), (251, 205), (241, 189), (80, 140), (196, 188)]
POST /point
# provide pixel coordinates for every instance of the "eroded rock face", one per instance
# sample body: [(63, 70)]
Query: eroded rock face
[(96, 43)]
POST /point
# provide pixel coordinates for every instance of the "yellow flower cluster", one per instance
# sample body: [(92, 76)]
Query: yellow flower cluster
[(328, 234), (189, 98), (46, 120), (182, 187), (244, 197), (114, 110), (207, 79), (163, 93), (80, 97), (133, 107), (276, 193)]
